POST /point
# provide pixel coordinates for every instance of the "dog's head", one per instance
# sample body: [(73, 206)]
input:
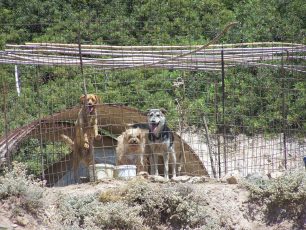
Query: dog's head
[(134, 137), (90, 100), (156, 119)]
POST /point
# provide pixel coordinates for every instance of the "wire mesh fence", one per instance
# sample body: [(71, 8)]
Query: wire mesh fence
[(230, 107)]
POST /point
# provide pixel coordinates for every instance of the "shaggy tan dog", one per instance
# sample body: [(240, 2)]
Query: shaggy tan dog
[(131, 148), (86, 131)]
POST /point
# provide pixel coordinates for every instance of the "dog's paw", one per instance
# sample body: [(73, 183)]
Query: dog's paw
[(98, 137)]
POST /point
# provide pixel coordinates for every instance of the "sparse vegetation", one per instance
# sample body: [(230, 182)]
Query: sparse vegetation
[(89, 213), (284, 198), (140, 204), (17, 184), (172, 205)]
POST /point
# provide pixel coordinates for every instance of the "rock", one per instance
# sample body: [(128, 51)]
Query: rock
[(159, 179), (182, 179), (22, 221), (274, 175), (2, 227), (143, 174), (257, 176), (231, 178), (198, 179)]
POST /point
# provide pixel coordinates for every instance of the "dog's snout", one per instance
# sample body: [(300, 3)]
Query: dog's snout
[(134, 141)]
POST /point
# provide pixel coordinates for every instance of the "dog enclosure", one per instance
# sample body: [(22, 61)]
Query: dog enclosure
[(232, 106)]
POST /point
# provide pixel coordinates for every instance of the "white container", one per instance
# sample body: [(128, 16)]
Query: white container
[(102, 171), (125, 171)]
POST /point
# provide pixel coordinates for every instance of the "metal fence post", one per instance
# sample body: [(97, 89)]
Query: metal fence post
[(223, 111)]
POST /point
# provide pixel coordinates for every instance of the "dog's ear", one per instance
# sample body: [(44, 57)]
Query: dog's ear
[(149, 112), (164, 111), (82, 99), (125, 136), (97, 99), (142, 135)]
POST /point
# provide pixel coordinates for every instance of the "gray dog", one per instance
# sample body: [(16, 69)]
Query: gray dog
[(160, 141)]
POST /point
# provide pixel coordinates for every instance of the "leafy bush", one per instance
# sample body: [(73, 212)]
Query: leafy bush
[(172, 205), (139, 205), (87, 212), (16, 183), (284, 197)]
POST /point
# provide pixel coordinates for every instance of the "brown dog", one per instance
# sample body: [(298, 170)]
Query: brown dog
[(86, 131), (131, 148)]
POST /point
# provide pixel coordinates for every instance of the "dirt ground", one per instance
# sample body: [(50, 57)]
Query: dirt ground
[(225, 199)]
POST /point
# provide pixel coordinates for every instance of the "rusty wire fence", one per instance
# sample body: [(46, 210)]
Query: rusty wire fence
[(232, 107)]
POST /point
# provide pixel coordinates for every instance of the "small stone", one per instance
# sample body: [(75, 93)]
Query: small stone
[(275, 175), (257, 176), (160, 179), (197, 179), (143, 174), (182, 179), (22, 221), (2, 227), (232, 180)]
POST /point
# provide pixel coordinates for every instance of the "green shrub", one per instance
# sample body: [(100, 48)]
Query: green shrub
[(110, 195), (116, 215), (16, 183), (86, 212), (284, 197), (139, 205), (174, 205)]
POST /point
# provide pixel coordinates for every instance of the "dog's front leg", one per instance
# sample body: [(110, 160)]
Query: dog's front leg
[(166, 165), (155, 164), (86, 141), (97, 136), (67, 140), (149, 152), (139, 163), (141, 168), (151, 162), (173, 156)]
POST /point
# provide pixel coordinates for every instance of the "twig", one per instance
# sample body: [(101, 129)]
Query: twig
[(210, 150)]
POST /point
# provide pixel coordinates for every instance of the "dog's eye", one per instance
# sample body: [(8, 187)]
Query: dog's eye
[(158, 115)]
